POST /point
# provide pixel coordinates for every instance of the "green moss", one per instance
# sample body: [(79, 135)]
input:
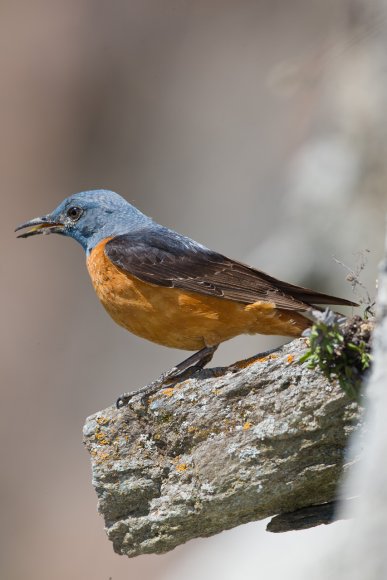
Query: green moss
[(341, 350)]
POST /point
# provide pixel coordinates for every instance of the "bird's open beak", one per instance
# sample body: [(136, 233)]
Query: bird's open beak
[(40, 225)]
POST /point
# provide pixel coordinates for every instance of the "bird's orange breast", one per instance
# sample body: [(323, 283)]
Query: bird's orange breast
[(180, 319)]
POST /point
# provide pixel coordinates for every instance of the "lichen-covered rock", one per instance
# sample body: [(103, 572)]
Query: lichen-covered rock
[(225, 448)]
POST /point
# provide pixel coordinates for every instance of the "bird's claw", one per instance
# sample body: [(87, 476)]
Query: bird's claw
[(123, 400), (169, 376)]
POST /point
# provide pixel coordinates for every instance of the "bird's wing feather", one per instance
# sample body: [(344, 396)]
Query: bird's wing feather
[(165, 258)]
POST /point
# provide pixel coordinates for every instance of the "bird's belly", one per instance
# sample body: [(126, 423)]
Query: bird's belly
[(176, 318)]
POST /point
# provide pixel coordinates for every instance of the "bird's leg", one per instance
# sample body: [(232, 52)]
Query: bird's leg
[(180, 372), (190, 365)]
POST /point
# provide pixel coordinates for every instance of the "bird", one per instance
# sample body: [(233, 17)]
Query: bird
[(167, 288)]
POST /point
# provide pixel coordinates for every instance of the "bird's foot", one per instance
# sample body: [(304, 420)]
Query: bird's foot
[(170, 378), (180, 372), (142, 393)]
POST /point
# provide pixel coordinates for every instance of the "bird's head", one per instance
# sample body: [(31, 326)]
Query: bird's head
[(88, 217)]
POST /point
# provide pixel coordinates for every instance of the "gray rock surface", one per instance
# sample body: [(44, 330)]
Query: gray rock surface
[(223, 449)]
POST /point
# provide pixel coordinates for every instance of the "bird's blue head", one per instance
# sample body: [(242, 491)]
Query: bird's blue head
[(89, 217)]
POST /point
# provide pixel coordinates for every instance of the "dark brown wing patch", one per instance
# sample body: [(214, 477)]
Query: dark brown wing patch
[(164, 258)]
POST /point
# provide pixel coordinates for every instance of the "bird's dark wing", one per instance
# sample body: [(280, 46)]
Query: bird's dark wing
[(164, 258)]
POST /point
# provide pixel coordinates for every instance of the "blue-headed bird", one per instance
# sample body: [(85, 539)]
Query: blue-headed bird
[(169, 289)]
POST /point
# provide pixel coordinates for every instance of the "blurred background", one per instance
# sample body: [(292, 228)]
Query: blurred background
[(255, 127)]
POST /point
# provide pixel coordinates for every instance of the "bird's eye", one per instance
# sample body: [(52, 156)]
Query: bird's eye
[(74, 213)]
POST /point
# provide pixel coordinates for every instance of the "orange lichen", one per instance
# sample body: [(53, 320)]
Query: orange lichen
[(102, 420), (103, 456), (168, 392), (247, 426), (101, 438), (242, 364), (181, 467), (289, 358)]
